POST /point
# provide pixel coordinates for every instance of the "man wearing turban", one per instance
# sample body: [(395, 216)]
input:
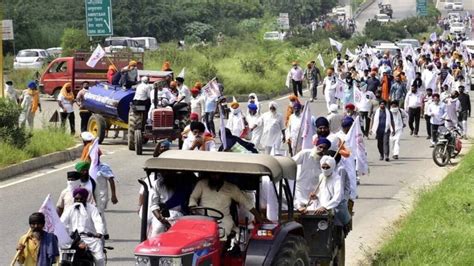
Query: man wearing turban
[(255, 126), (236, 122), (84, 218), (30, 103)]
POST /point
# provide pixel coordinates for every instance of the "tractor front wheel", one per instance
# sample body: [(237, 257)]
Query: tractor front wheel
[(293, 251), (97, 126)]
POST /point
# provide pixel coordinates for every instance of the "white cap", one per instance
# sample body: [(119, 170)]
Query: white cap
[(87, 136), (145, 79)]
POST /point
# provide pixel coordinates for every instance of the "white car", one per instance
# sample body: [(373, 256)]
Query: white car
[(148, 43), (382, 18), (413, 42), (458, 6), (30, 58), (457, 28), (55, 51), (272, 36), (448, 4), (117, 44)]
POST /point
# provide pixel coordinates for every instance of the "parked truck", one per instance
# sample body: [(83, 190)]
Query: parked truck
[(74, 70)]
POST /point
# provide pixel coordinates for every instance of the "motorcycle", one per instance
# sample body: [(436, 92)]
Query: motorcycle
[(448, 146), (77, 254)]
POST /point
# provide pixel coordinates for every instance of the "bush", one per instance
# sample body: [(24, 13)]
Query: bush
[(42, 142), (199, 31), (10, 131), (74, 39)]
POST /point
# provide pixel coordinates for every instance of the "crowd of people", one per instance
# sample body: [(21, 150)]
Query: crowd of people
[(372, 92)]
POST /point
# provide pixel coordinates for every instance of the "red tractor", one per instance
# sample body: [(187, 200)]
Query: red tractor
[(194, 239)]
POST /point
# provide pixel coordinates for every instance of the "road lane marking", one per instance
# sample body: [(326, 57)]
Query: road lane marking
[(35, 176)]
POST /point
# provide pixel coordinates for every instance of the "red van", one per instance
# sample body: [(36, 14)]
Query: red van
[(74, 70)]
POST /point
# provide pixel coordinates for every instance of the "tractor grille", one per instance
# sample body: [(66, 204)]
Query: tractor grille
[(162, 117)]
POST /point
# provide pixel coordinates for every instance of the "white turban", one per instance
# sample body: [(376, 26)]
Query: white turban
[(273, 104), (87, 136), (329, 160), (333, 108)]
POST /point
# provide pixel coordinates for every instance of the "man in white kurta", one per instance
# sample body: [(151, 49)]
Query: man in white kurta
[(294, 125), (255, 129), (218, 194), (330, 191), (329, 88), (273, 128), (104, 176), (308, 171), (85, 218)]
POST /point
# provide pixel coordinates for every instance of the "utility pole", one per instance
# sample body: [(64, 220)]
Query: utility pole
[(2, 84)]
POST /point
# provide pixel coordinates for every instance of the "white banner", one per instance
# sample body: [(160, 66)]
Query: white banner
[(53, 223), (96, 56), (211, 89), (335, 43), (355, 142)]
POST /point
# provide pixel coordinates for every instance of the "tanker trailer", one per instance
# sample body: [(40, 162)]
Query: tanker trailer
[(109, 105)]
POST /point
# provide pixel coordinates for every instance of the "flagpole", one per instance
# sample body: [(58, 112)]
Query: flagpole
[(19, 251)]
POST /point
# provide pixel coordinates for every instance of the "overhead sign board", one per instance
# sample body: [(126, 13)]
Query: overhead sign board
[(284, 21), (422, 7), (7, 30), (99, 18)]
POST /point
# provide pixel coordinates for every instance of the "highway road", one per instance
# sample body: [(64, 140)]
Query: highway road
[(401, 9), (384, 195)]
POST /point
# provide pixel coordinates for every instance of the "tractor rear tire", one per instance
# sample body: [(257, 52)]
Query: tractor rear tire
[(97, 126), (293, 251), (134, 122), (138, 142)]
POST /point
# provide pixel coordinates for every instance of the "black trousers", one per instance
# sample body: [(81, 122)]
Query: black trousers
[(365, 126), (297, 87), (434, 132), (70, 117), (383, 144), (85, 115), (209, 120), (414, 115), (428, 125)]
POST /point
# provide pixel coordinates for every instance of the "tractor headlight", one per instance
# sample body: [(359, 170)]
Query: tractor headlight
[(142, 261), (170, 262)]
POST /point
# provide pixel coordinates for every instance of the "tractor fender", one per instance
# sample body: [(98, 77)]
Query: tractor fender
[(262, 252)]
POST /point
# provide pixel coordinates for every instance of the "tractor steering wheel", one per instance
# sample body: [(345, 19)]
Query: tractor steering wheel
[(195, 211)]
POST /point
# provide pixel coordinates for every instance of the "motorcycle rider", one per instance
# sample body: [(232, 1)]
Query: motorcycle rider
[(84, 218)]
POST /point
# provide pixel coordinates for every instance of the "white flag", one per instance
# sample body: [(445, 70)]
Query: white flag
[(211, 89), (96, 56), (94, 155), (449, 80), (340, 84), (181, 74), (355, 142), (349, 53), (335, 43), (433, 37), (53, 223), (321, 61)]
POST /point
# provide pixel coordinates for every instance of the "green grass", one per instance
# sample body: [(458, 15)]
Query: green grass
[(42, 142), (440, 230)]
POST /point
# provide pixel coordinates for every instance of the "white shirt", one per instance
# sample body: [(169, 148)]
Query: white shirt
[(273, 126), (335, 121), (413, 100), (308, 170), (436, 111), (188, 142), (330, 192), (294, 125), (197, 105), (330, 83), (427, 100), (83, 219), (256, 133), (365, 103), (66, 104), (164, 94), (297, 73), (11, 93), (236, 123), (102, 190), (183, 91), (142, 92)]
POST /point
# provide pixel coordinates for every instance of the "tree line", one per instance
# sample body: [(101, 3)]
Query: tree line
[(40, 24)]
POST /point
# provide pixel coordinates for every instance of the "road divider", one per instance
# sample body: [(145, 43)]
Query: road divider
[(39, 162)]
